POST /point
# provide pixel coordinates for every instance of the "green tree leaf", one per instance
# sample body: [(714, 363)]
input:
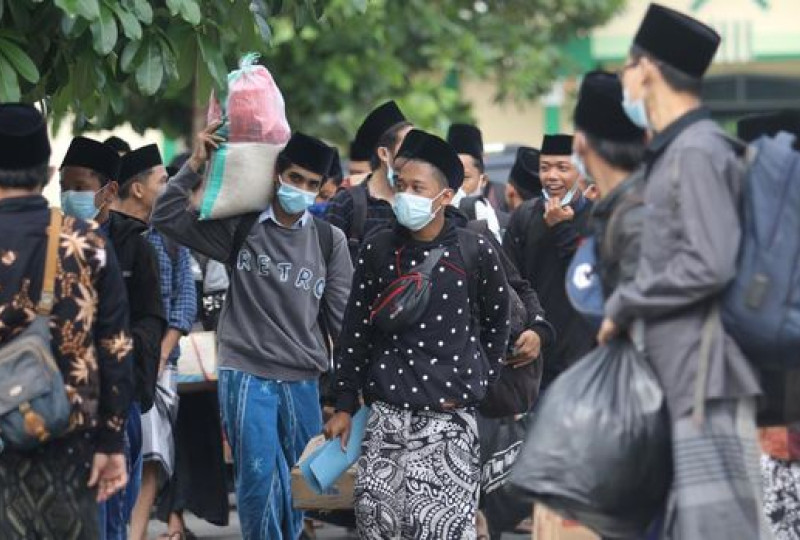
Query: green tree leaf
[(174, 7), (104, 30), (88, 9), (190, 12), (130, 24), (150, 71), (143, 11), (212, 58), (126, 61), (20, 61), (9, 85)]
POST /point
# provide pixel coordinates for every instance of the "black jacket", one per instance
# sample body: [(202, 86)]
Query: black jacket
[(536, 320), (542, 254), (445, 357), (617, 222), (139, 266)]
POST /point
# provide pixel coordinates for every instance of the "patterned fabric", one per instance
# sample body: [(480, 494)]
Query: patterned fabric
[(340, 212), (43, 495), (716, 493), (268, 424), (89, 321), (418, 475), (177, 284), (445, 356), (781, 481), (158, 423)]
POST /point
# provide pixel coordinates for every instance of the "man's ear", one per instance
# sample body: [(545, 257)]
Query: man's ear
[(137, 190), (447, 197), (383, 154), (112, 190)]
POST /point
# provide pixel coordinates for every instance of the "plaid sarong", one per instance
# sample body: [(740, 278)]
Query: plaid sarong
[(716, 492)]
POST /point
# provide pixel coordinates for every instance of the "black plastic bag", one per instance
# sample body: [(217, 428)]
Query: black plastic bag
[(501, 441), (598, 449)]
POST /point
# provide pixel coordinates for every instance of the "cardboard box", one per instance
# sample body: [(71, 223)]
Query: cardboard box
[(340, 496), (547, 525)]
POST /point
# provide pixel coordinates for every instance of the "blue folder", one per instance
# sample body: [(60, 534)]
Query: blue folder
[(325, 465)]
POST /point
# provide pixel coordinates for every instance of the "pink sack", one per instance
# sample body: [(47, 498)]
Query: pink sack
[(253, 109)]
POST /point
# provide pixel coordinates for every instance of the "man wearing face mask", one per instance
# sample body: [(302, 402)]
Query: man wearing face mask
[(332, 186), (142, 178), (467, 140), (367, 207), (690, 245), (424, 379), (542, 238), (612, 147), (290, 277), (88, 181)]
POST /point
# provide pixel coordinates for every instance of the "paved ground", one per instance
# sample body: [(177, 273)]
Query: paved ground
[(210, 532)]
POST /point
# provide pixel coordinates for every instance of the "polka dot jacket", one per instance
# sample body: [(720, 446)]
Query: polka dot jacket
[(443, 361)]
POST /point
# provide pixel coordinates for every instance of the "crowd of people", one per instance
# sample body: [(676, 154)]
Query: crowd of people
[(402, 286)]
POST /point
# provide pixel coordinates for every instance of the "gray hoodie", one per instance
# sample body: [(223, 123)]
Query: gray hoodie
[(269, 323)]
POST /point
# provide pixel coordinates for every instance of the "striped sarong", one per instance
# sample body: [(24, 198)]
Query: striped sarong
[(716, 492)]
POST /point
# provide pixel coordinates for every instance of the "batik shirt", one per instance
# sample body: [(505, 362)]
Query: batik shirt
[(89, 320)]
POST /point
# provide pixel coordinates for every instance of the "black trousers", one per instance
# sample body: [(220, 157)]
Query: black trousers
[(43, 494)]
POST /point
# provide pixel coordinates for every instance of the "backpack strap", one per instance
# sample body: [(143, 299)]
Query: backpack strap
[(359, 220), (47, 300), (325, 237), (468, 246), (243, 228), (467, 205)]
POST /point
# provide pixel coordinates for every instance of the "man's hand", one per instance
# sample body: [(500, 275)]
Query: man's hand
[(339, 425), (108, 474), (527, 348), (554, 213), (206, 142), (608, 331)]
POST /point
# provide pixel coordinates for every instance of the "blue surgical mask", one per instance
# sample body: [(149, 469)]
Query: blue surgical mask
[(319, 209), (413, 211), (635, 110), (79, 204), (580, 165), (294, 200)]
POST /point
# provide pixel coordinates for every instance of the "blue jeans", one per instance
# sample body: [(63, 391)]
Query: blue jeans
[(268, 424), (115, 513)]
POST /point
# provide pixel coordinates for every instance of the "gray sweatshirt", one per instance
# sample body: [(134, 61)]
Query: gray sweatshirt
[(269, 323)]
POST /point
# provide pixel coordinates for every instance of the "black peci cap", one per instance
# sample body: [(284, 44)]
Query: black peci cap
[(139, 161), (677, 39), (336, 172), (524, 175), (23, 137), (375, 125), (599, 109), (422, 146), (466, 139), (309, 153), (358, 152), (94, 155), (557, 145), (120, 146)]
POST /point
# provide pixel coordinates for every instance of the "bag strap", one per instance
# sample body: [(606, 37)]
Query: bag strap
[(47, 300), (359, 221), (467, 205), (243, 228), (430, 262), (325, 238), (468, 246), (698, 414)]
